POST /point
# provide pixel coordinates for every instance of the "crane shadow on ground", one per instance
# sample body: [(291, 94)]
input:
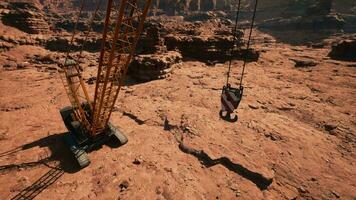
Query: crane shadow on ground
[(258, 179), (59, 154), (60, 161), (40, 184)]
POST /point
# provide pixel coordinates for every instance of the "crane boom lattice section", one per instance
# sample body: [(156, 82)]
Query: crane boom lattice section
[(72, 79), (123, 25)]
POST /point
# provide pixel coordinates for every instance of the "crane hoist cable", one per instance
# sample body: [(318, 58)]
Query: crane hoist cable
[(230, 96)]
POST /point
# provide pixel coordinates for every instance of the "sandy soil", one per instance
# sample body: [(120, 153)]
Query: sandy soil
[(296, 126)]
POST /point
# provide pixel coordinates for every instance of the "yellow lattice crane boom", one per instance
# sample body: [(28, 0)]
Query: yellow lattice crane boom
[(88, 120)]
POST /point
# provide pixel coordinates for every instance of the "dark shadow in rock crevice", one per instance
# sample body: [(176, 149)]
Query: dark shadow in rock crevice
[(258, 179)]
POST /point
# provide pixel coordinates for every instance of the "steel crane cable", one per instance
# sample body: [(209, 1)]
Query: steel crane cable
[(230, 96), (235, 40), (248, 43)]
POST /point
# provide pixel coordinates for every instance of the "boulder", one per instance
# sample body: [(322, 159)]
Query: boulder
[(151, 41), (303, 62), (153, 66), (211, 49), (345, 50)]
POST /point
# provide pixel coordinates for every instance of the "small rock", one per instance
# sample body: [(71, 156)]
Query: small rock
[(273, 136), (304, 62), (124, 185), (91, 80), (159, 190), (329, 127), (335, 194), (291, 104), (22, 65), (285, 108), (238, 194), (7, 65), (301, 189), (138, 160), (168, 169), (253, 106)]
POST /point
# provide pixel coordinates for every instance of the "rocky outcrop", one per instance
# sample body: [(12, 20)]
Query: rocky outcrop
[(153, 66), (204, 49), (200, 16), (151, 40), (5, 46), (209, 42), (153, 61), (345, 50), (316, 23), (62, 44), (67, 22), (174, 7), (316, 15), (212, 49), (26, 17)]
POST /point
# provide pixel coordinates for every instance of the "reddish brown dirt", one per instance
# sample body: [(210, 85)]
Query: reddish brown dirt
[(296, 125)]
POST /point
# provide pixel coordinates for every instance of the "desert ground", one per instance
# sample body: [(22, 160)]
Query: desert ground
[(295, 137)]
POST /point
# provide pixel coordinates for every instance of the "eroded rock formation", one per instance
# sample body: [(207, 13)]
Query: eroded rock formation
[(26, 17), (149, 67), (316, 15)]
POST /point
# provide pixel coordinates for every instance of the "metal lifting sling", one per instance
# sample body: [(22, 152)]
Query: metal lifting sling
[(230, 96)]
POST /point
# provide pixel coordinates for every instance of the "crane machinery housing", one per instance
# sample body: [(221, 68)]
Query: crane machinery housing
[(88, 119)]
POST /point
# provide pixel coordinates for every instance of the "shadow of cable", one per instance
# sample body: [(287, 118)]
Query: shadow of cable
[(258, 179), (41, 184)]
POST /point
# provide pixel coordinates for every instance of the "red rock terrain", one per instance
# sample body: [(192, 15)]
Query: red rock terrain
[(295, 138)]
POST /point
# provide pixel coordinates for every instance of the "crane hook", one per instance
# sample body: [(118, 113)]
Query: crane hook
[(230, 100)]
